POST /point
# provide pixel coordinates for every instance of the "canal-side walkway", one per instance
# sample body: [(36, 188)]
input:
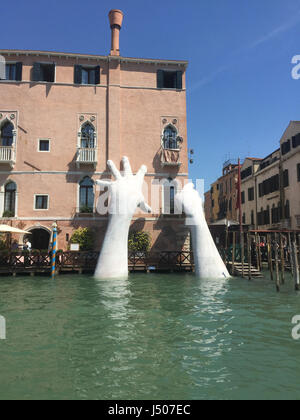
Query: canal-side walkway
[(13, 263)]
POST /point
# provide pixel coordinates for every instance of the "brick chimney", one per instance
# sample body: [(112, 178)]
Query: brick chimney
[(115, 20)]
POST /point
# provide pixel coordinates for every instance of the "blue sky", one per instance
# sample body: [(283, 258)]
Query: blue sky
[(240, 96)]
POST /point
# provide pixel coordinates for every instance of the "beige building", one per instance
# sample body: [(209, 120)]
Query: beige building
[(271, 186), (62, 116), (290, 174)]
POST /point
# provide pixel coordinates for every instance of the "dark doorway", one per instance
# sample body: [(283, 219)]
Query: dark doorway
[(39, 239)]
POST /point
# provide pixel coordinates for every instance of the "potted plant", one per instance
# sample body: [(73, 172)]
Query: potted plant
[(8, 214), (139, 243)]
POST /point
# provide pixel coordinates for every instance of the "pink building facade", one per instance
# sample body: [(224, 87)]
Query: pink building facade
[(62, 116)]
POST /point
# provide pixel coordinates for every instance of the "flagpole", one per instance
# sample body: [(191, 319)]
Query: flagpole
[(54, 248)]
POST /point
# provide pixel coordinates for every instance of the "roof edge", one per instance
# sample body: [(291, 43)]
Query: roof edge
[(94, 57)]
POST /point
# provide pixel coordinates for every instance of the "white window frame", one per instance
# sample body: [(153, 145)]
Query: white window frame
[(48, 202), (163, 132), (78, 194), (166, 183), (44, 151)]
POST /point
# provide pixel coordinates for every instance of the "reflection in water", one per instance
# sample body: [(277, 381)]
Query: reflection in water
[(115, 296), (148, 337)]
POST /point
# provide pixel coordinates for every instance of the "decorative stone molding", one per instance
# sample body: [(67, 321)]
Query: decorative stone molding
[(8, 154)]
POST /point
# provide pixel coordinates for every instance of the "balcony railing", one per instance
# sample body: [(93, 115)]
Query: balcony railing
[(170, 157), (86, 156), (7, 155)]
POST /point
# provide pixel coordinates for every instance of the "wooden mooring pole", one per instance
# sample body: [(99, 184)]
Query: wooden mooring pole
[(233, 254), (276, 252), (282, 259), (295, 264), (270, 256), (249, 256), (243, 253)]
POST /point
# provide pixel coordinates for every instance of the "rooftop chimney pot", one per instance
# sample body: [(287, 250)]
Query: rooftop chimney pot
[(115, 20)]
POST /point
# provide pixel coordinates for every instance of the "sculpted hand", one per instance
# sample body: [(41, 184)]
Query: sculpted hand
[(189, 200), (126, 192)]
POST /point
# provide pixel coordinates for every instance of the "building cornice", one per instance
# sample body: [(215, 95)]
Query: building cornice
[(108, 58)]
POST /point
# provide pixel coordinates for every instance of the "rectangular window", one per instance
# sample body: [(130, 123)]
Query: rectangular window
[(251, 194), (43, 72), (243, 197), (44, 145), (286, 182), (298, 172), (246, 172), (286, 147), (167, 79), (86, 75), (41, 202), (296, 141), (13, 71)]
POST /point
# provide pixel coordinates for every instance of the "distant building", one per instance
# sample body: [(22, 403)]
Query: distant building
[(271, 186), (208, 206), (220, 201)]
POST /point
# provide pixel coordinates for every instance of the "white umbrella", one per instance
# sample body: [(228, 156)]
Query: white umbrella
[(10, 229)]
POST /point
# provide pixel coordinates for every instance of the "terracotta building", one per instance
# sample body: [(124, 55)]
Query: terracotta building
[(63, 115), (220, 201)]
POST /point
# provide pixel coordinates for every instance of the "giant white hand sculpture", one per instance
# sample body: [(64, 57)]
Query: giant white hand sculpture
[(125, 196), (208, 263)]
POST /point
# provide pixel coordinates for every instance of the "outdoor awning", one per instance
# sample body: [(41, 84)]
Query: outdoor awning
[(10, 229)]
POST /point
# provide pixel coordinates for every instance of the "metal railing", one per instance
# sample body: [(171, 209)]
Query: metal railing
[(7, 154), (86, 155)]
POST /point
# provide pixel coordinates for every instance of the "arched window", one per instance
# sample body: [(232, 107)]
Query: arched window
[(87, 136), (170, 138), (169, 192), (10, 199), (7, 137), (86, 195)]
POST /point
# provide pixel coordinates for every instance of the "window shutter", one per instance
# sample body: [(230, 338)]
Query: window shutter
[(160, 79), (97, 75), (19, 67), (37, 72), (179, 80), (77, 74)]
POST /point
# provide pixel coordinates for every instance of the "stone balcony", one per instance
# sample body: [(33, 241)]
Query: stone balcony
[(170, 157), (86, 157), (8, 155)]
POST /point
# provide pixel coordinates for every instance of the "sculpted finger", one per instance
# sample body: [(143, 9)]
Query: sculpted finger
[(141, 173), (188, 187), (116, 173), (126, 166), (103, 184), (145, 207)]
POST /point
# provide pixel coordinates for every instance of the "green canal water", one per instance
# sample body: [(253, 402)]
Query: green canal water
[(151, 337)]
